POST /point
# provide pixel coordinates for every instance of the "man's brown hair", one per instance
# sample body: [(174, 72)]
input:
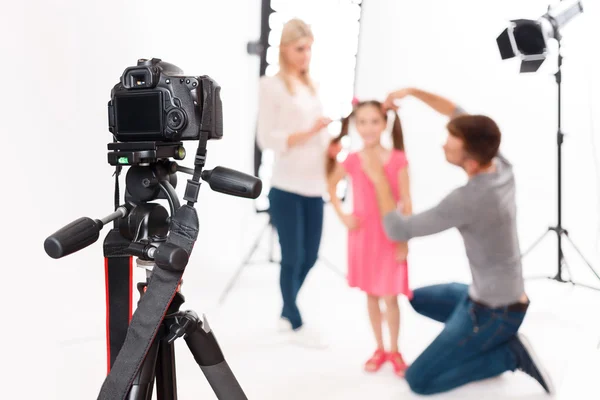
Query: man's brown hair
[(480, 136)]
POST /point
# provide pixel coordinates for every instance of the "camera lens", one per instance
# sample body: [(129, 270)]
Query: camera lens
[(175, 119)]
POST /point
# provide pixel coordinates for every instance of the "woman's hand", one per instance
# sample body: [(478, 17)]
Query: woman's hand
[(401, 251), (319, 124), (300, 138), (350, 221)]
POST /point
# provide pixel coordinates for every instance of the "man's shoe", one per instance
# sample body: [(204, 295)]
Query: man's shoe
[(528, 362)]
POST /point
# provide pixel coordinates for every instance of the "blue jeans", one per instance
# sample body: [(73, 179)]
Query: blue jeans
[(474, 344), (299, 223)]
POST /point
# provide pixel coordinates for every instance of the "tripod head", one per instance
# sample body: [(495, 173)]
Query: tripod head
[(151, 176)]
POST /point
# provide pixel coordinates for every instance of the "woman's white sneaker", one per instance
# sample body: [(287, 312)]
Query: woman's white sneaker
[(284, 326)]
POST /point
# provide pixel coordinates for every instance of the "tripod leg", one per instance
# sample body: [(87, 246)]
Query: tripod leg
[(142, 386), (166, 380), (239, 270), (207, 353), (582, 257)]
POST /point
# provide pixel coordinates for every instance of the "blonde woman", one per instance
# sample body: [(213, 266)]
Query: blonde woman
[(291, 123)]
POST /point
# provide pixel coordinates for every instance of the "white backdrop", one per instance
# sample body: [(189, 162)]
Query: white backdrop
[(62, 59), (450, 48)]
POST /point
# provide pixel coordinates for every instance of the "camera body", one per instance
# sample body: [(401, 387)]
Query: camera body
[(156, 102)]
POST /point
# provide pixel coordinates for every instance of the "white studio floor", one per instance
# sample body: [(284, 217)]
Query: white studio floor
[(563, 323)]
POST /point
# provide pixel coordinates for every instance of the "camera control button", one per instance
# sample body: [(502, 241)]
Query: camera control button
[(175, 119)]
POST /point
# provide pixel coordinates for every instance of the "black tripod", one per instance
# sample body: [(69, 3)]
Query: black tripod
[(559, 230), (146, 230), (159, 364)]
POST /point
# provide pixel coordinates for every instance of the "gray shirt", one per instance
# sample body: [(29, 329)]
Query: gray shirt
[(484, 212)]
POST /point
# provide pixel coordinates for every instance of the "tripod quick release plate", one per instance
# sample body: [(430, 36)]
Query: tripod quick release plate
[(136, 153)]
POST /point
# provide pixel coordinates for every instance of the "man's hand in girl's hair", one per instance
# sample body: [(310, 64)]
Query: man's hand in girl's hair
[(401, 251), (350, 221), (390, 101)]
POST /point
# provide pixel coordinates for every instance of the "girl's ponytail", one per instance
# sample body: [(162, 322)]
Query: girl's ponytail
[(331, 155), (397, 136)]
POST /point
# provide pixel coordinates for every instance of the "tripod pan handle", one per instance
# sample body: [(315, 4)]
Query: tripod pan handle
[(232, 182), (73, 237)]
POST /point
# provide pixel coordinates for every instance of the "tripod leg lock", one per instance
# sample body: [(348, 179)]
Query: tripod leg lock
[(206, 351), (198, 336), (185, 323)]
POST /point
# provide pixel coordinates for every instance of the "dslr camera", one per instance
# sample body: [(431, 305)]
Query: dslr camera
[(155, 106)]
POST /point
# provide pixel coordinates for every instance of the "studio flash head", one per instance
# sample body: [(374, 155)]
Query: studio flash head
[(528, 39)]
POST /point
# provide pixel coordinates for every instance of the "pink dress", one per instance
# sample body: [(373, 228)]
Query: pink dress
[(372, 265)]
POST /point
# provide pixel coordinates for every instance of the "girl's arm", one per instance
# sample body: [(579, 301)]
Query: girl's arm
[(404, 185), (333, 179)]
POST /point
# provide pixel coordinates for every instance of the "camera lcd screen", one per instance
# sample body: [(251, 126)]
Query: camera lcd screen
[(139, 113)]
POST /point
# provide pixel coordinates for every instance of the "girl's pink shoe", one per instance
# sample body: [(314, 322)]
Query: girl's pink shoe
[(398, 363), (376, 361)]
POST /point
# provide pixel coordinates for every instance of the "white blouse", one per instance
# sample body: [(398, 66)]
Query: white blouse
[(300, 169)]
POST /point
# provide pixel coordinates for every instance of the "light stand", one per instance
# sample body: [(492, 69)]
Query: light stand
[(559, 229), (527, 39)]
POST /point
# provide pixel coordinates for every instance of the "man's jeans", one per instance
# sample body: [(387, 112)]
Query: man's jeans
[(474, 344)]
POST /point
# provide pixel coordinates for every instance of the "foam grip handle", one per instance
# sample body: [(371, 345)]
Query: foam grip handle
[(73, 237), (232, 182)]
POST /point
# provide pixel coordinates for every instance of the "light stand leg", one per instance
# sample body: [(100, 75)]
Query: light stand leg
[(582, 257), (271, 243), (537, 242), (243, 264), (331, 266)]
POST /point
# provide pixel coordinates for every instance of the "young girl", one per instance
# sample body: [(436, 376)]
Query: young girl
[(377, 265)]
